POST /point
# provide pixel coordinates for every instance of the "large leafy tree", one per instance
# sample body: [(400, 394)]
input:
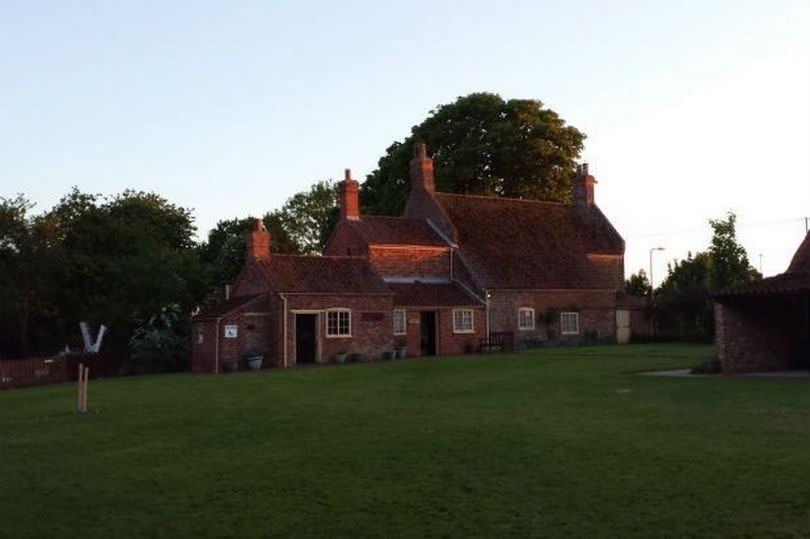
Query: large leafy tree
[(483, 144), (97, 260)]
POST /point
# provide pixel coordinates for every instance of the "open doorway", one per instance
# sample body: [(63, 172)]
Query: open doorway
[(428, 334), (306, 339)]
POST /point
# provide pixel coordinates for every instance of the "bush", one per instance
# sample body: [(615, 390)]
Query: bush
[(709, 366)]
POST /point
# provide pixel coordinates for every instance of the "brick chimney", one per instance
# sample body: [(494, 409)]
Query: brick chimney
[(258, 242), (422, 169), (349, 202), (583, 186)]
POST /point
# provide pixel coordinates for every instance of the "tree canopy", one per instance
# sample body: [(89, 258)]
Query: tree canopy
[(482, 144)]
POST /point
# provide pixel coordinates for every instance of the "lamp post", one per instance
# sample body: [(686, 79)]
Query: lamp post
[(652, 286)]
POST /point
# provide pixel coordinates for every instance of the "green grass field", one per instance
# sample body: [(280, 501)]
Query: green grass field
[(549, 443)]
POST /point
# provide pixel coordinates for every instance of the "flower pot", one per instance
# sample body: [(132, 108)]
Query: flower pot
[(389, 355), (255, 362), (340, 358), (400, 352)]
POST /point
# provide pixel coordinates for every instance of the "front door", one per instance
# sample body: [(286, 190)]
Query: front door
[(428, 335), (306, 344), (622, 326)]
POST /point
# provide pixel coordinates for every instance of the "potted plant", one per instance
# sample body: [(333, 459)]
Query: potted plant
[(254, 358), (401, 350), (340, 357)]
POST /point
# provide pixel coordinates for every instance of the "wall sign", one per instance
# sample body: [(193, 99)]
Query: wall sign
[(231, 332)]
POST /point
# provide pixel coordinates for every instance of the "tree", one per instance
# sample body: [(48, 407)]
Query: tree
[(309, 216), (638, 284), (730, 264), (687, 277), (485, 145)]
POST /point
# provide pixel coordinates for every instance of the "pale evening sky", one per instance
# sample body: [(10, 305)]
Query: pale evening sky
[(691, 108)]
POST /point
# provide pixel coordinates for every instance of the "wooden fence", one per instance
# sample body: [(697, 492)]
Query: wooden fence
[(37, 371)]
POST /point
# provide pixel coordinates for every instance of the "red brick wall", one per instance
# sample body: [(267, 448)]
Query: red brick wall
[(760, 334), (410, 261), (597, 311), (254, 332), (370, 338), (448, 343), (344, 241)]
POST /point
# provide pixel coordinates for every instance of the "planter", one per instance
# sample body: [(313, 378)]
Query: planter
[(400, 352), (255, 362), (389, 355), (231, 366), (340, 357)]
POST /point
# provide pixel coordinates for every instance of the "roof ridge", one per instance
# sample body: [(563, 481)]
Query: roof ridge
[(399, 217), (311, 257), (510, 199)]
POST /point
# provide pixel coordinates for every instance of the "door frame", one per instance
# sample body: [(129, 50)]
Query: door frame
[(317, 313), (436, 345)]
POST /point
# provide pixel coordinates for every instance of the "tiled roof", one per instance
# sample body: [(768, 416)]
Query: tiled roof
[(322, 274), (221, 309), (512, 243), (784, 283), (431, 295), (801, 260), (381, 230)]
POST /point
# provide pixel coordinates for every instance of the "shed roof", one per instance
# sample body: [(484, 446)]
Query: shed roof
[(219, 310), (795, 280)]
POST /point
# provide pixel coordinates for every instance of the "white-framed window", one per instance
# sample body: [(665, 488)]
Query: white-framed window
[(569, 323), (338, 323), (463, 321), (399, 322), (525, 318), (231, 331)]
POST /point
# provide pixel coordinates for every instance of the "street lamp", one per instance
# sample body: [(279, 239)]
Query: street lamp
[(652, 286)]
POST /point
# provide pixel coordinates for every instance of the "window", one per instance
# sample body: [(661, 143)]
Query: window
[(526, 318), (231, 331), (569, 323), (339, 323), (399, 322), (463, 321)]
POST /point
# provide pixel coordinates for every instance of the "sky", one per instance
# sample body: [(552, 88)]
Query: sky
[(692, 109)]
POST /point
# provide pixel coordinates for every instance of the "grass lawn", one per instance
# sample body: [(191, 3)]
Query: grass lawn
[(548, 443)]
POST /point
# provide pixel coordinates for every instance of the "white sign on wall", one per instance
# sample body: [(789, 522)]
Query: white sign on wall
[(231, 332)]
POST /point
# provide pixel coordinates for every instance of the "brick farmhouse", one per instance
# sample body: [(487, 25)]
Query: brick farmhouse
[(765, 325), (454, 274)]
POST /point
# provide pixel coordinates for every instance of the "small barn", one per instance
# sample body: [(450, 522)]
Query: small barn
[(765, 325)]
